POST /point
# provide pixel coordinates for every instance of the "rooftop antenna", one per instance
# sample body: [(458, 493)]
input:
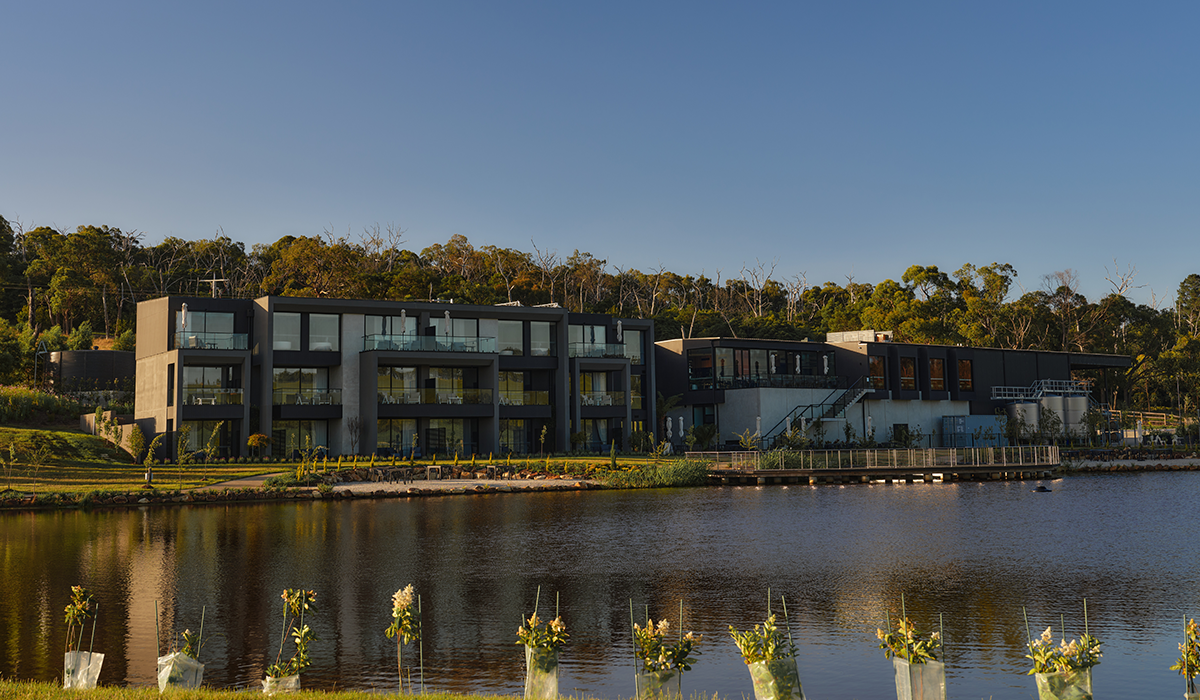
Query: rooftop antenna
[(213, 282)]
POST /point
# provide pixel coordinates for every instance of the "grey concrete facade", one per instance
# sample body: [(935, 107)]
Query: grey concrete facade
[(263, 339)]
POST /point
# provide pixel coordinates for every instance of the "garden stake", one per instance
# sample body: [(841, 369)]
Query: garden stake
[(1187, 681), (942, 633), (1028, 636), (904, 617), (92, 644), (1085, 624), (420, 645), (157, 634), (632, 635), (200, 639), (787, 623)]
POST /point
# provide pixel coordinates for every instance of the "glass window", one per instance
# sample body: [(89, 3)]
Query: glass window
[(635, 390), (589, 334), (286, 331), (302, 386), (449, 436), (633, 346), (396, 435), (199, 432), (937, 374), (908, 374), (459, 327), (204, 322), (511, 340), (724, 367), (323, 332), (288, 437), (541, 338), (878, 378), (700, 369), (758, 364), (965, 382), (513, 437)]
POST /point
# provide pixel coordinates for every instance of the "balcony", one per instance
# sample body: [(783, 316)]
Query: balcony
[(524, 398), (208, 396), (602, 398), (445, 397), (307, 397), (615, 351), (211, 341), (429, 343)]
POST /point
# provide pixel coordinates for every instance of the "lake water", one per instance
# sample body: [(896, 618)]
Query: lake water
[(842, 556)]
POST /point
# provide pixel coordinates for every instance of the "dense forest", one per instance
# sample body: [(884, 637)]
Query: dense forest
[(64, 287)]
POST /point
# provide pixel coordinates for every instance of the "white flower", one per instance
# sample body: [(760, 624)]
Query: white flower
[(402, 598)]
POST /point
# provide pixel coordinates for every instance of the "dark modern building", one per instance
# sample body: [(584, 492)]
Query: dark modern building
[(358, 376), (949, 395)]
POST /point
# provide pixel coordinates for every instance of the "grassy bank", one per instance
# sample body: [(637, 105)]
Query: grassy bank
[(27, 690), (677, 472), (71, 462)]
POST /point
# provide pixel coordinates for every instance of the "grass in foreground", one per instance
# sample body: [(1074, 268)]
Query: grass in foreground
[(31, 690), (64, 461)]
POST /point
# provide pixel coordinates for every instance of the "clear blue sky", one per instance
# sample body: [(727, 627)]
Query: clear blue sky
[(835, 139)]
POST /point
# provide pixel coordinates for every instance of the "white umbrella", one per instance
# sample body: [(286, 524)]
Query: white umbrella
[(620, 333), (183, 323), (403, 321), (447, 323)]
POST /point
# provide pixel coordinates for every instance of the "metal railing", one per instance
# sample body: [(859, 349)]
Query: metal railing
[(609, 350), (443, 397), (1040, 388), (933, 459), (524, 398), (197, 396), (307, 397), (429, 343), (602, 398), (210, 341)]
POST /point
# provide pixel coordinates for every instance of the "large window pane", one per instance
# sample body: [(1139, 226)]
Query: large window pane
[(541, 338), (965, 382), (286, 331), (511, 339), (937, 374), (908, 373), (323, 332)]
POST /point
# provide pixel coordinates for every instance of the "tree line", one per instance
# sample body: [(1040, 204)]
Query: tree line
[(55, 282)]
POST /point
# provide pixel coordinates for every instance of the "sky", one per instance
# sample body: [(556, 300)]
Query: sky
[(830, 141)]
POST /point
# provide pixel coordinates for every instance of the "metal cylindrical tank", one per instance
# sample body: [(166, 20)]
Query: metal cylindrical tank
[(1055, 403), (1025, 412), (1076, 408)]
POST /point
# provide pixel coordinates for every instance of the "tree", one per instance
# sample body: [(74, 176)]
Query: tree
[(136, 440), (1188, 303)]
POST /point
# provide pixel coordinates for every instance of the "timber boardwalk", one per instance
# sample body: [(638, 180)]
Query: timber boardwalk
[(889, 465)]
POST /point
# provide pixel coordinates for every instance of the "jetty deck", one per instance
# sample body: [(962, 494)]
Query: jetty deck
[(888, 465)]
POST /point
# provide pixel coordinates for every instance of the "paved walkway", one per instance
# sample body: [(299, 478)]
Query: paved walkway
[(398, 487)]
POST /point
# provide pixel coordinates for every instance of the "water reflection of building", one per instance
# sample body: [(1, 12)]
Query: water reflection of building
[(355, 377), (863, 384)]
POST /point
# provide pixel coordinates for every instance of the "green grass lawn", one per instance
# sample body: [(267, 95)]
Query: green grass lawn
[(26, 690), (63, 459), (76, 462)]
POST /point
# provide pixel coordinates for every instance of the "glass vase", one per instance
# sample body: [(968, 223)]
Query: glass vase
[(658, 684), (777, 679), (178, 670), (285, 684), (81, 669), (541, 673), (925, 681), (1065, 685)]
